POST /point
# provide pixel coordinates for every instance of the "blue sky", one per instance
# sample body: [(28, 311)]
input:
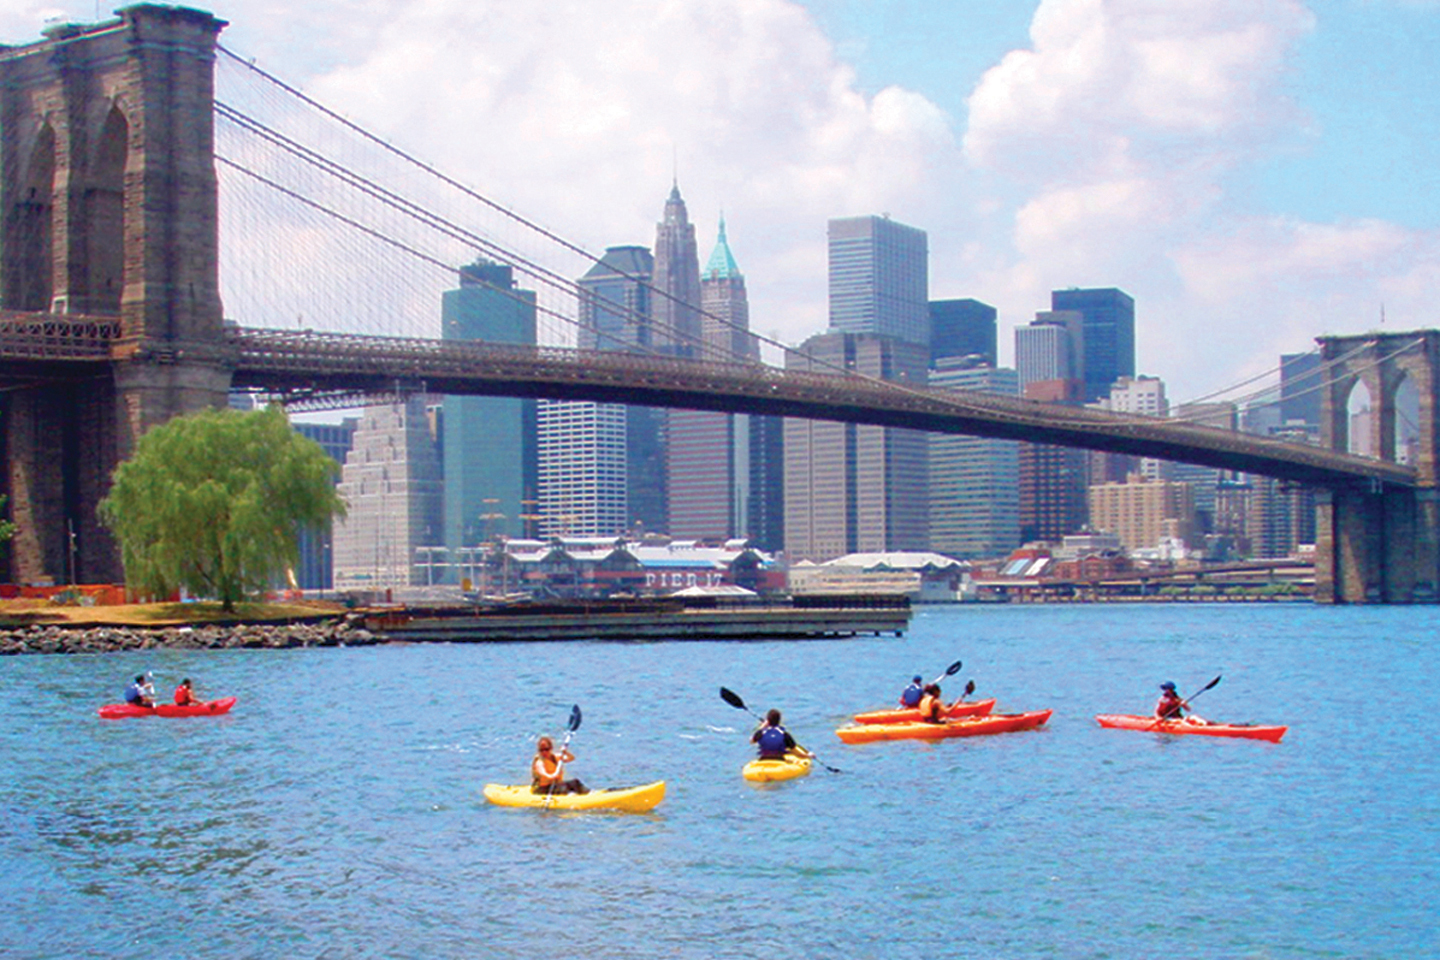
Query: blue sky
[(1254, 172)]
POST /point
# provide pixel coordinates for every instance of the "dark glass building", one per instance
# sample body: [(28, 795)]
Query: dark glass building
[(962, 328), (1108, 335)]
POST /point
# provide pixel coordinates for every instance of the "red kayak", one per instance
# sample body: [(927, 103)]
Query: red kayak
[(975, 708), (210, 708), (1244, 731), (964, 727)]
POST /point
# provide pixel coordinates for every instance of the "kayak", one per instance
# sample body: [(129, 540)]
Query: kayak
[(964, 727), (1244, 731), (763, 771), (210, 708), (975, 708), (623, 799)]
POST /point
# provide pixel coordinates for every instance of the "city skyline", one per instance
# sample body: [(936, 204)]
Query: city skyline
[(1235, 161)]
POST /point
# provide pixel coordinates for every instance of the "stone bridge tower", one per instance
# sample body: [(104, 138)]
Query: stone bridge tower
[(108, 208), (1379, 545)]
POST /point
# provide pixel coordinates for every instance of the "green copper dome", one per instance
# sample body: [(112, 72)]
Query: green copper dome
[(722, 264)]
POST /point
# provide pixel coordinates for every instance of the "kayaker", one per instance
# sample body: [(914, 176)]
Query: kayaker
[(547, 770), (911, 695), (1172, 707), (932, 705), (140, 693), (774, 740), (185, 693)]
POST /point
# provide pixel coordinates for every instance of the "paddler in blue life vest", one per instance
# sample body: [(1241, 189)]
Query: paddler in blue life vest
[(911, 695), (140, 693), (774, 740)]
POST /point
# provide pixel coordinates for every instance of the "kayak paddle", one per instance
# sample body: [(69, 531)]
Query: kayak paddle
[(570, 728), (950, 671), (733, 698), (969, 689), (1186, 702)]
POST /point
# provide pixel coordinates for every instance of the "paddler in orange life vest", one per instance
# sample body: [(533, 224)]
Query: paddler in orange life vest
[(932, 705), (547, 770), (1171, 707), (185, 694), (774, 741)]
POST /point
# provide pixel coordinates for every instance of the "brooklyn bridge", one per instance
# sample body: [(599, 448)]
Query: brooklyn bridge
[(112, 323)]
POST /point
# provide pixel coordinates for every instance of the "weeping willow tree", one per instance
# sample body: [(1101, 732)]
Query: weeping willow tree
[(214, 502)]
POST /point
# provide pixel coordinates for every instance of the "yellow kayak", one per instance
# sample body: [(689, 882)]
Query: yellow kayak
[(789, 768), (626, 799)]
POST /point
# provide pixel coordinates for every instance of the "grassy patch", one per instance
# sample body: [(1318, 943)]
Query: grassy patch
[(17, 613)]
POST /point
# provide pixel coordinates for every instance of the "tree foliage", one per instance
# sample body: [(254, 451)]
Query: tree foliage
[(214, 502)]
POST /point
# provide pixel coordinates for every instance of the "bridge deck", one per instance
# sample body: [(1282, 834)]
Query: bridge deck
[(313, 366)]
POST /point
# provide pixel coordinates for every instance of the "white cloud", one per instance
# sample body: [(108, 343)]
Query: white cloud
[(1112, 137)]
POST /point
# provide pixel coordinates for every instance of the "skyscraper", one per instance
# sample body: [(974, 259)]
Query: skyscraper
[(582, 469), (314, 571), (711, 454), (489, 448), (1109, 338), (974, 481), (879, 279), (677, 280), (725, 322), (1049, 359), (962, 328), (392, 484), (852, 487), (616, 314), (1052, 347)]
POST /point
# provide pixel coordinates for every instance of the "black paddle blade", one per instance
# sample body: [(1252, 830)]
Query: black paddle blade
[(574, 718), (732, 698), (1209, 685), (969, 688), (953, 669)]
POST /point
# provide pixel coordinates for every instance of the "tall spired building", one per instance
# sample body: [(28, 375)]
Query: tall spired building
[(724, 469), (677, 280)]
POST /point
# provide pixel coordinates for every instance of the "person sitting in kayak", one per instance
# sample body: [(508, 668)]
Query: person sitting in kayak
[(185, 694), (140, 693), (1172, 707), (911, 695), (774, 741), (932, 705), (547, 770)]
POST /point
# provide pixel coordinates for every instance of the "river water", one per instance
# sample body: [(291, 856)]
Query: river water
[(336, 812)]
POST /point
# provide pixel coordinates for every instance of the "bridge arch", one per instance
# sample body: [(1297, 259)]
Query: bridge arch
[(1380, 544)]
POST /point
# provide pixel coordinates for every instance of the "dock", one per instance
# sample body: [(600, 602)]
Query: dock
[(666, 618)]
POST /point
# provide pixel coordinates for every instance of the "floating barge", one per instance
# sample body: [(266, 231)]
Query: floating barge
[(665, 618)]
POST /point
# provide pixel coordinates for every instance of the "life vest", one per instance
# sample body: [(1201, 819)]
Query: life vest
[(1170, 707), (912, 695), (541, 773), (932, 709), (772, 742), (133, 694), (182, 696)]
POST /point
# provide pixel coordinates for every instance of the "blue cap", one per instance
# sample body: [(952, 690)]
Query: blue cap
[(1168, 685), (917, 679)]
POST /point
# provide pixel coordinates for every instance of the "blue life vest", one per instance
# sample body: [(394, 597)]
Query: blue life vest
[(772, 742), (133, 694), (912, 694)]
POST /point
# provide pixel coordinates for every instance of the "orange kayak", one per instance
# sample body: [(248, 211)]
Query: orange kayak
[(964, 727), (1243, 731), (975, 708)]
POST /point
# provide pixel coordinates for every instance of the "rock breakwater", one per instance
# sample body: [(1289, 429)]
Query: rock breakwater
[(57, 638)]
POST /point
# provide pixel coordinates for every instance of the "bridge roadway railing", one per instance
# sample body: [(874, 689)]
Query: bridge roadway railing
[(56, 336), (315, 363)]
